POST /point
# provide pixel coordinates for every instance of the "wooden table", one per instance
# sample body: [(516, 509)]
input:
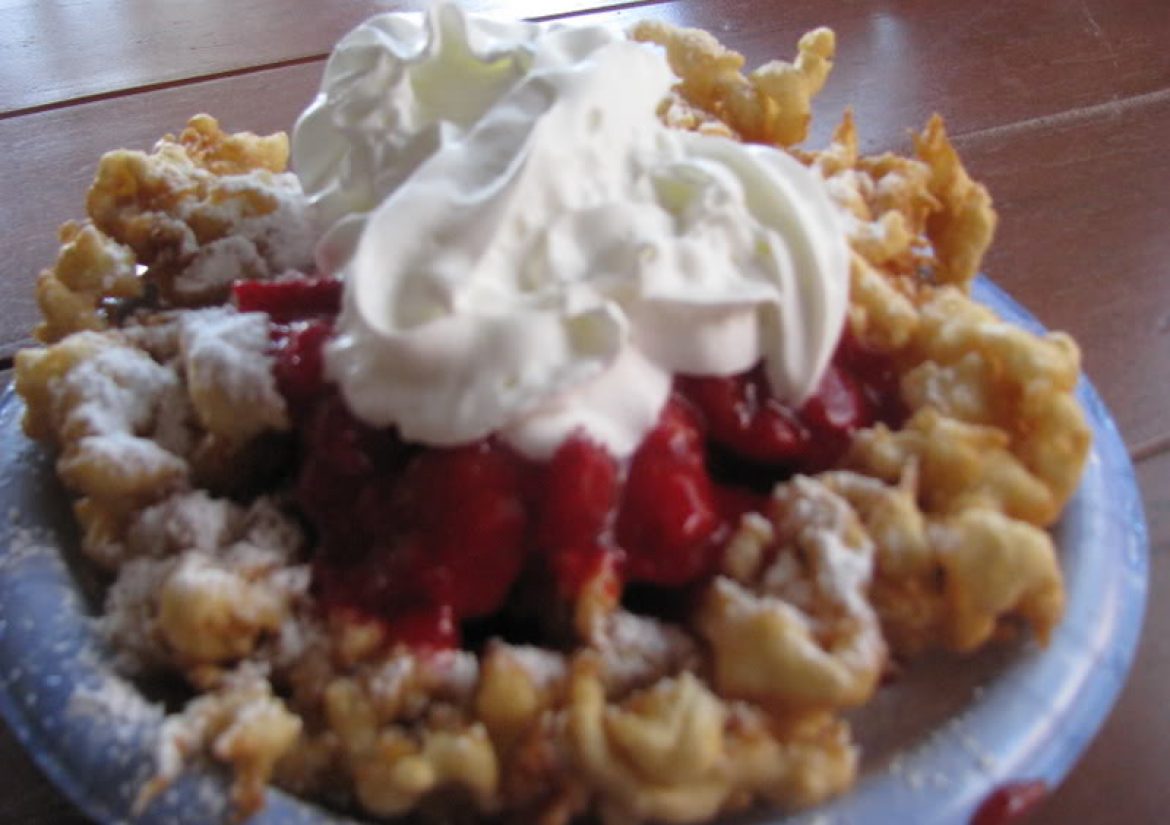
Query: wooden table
[(1062, 108)]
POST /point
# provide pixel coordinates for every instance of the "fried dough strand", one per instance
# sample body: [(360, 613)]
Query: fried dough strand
[(928, 536)]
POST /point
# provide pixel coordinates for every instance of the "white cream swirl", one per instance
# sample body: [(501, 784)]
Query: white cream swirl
[(558, 254)]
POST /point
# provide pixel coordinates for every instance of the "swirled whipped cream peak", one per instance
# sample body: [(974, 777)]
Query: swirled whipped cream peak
[(528, 251)]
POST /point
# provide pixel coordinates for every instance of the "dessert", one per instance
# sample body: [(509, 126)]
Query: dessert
[(557, 442)]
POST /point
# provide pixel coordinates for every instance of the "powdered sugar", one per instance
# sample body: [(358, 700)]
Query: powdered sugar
[(219, 264), (543, 667), (192, 520), (113, 390), (129, 617), (116, 702), (637, 650), (269, 231), (229, 373), (28, 544)]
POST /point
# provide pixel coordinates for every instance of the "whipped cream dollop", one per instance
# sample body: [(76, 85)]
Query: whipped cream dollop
[(528, 251)]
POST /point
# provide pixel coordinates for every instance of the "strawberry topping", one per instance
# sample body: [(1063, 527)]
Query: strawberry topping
[(424, 538)]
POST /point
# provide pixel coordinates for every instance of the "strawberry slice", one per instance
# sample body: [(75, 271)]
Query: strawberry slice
[(290, 299), (576, 511), (744, 418), (668, 517), (833, 414), (299, 366)]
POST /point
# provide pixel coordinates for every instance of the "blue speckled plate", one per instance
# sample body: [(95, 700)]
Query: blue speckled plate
[(936, 743)]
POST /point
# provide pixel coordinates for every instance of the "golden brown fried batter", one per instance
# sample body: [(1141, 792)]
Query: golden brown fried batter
[(927, 536), (773, 104)]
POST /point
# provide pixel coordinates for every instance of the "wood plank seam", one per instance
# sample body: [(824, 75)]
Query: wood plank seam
[(154, 87), (278, 64), (1069, 117), (1015, 129), (616, 7), (1150, 448), (1112, 108)]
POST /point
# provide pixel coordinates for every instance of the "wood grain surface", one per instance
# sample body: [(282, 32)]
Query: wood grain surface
[(981, 64), (1061, 108), (1082, 241), (63, 51), (1122, 776)]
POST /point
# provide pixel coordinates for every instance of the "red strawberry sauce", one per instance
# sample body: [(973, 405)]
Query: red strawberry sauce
[(1011, 803), (424, 538)]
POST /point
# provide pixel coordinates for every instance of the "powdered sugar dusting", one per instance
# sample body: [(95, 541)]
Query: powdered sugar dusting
[(28, 544), (115, 702), (116, 389), (229, 373), (543, 667), (265, 228), (637, 650)]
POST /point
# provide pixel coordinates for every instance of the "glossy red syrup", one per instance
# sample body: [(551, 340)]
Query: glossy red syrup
[(1011, 803), (295, 299), (301, 312), (669, 523), (574, 514), (426, 538)]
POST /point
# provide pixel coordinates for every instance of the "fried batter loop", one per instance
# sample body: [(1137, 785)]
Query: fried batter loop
[(927, 536)]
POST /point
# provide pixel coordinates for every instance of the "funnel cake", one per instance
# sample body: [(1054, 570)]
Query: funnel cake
[(470, 632)]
